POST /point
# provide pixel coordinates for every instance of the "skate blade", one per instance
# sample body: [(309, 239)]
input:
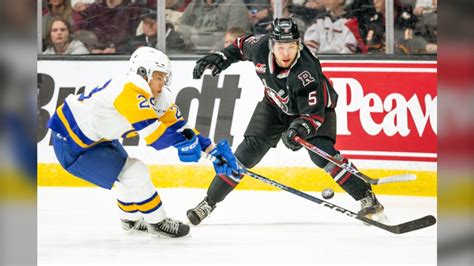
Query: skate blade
[(134, 231), (165, 236)]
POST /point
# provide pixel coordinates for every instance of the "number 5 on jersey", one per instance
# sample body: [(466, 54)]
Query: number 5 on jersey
[(312, 100)]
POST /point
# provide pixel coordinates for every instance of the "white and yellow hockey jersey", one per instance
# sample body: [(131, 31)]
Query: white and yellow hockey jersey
[(120, 108)]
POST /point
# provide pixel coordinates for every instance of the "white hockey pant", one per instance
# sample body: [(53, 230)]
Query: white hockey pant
[(136, 195)]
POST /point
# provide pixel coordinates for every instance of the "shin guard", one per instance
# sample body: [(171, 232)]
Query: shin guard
[(353, 185), (220, 187)]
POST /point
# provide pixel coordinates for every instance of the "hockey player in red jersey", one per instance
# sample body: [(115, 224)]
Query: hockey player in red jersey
[(299, 101)]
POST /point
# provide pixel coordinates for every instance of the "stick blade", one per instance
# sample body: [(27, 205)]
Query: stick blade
[(397, 178), (417, 224)]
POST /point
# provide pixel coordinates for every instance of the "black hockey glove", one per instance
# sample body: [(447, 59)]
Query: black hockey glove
[(299, 127), (216, 62)]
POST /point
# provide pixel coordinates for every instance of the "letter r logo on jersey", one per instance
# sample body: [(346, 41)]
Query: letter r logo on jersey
[(306, 78)]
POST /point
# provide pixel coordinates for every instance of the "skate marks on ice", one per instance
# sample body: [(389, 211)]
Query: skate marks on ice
[(80, 225)]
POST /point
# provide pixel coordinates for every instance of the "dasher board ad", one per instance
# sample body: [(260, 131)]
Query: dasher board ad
[(386, 111)]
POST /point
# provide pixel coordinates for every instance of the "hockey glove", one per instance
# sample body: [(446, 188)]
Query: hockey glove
[(300, 127), (227, 163), (189, 150), (216, 62)]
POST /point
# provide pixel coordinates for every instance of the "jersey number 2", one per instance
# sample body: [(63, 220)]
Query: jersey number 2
[(143, 104)]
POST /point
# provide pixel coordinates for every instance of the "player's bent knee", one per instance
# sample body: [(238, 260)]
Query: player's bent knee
[(134, 173), (251, 151), (320, 162), (326, 145)]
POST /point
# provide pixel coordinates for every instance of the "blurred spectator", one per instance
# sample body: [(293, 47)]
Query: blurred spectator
[(232, 34), (404, 24), (375, 38), (56, 8), (310, 10), (88, 38), (425, 32), (178, 5), (205, 22), (425, 7), (287, 11), (174, 40), (259, 15), (60, 41), (113, 22), (363, 11), (173, 12), (408, 2), (81, 5), (335, 32)]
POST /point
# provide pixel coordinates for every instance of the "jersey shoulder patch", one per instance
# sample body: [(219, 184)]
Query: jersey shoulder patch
[(306, 78), (307, 69)]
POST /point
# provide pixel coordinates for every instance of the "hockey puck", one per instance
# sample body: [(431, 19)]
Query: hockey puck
[(327, 193)]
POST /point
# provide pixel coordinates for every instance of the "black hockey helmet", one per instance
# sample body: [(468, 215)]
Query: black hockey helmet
[(285, 30)]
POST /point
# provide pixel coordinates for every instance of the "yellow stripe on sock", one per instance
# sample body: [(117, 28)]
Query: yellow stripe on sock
[(143, 207)]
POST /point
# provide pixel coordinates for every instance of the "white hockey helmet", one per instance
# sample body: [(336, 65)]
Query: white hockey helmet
[(146, 60)]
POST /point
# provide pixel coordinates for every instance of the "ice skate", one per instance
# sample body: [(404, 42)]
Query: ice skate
[(201, 211), (131, 226), (168, 228), (371, 208)]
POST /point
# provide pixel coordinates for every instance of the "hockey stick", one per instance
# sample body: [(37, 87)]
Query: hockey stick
[(413, 225), (352, 170)]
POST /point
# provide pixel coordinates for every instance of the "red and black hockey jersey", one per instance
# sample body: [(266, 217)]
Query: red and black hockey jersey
[(301, 90)]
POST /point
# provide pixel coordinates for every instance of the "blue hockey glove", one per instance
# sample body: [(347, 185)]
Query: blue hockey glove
[(189, 150), (228, 171), (227, 164)]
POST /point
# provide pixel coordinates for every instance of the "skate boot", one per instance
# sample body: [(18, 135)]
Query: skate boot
[(168, 228), (371, 208), (201, 211), (130, 226)]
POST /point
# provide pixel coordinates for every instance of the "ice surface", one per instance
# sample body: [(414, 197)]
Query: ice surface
[(80, 226)]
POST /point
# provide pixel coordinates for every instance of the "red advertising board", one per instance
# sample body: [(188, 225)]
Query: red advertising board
[(386, 110)]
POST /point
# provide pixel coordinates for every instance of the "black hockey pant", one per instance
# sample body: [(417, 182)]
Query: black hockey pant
[(264, 131)]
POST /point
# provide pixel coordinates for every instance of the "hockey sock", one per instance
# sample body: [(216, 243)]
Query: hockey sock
[(136, 194), (353, 185), (220, 187)]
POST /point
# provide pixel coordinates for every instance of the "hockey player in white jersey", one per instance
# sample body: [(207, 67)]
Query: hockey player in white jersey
[(86, 129)]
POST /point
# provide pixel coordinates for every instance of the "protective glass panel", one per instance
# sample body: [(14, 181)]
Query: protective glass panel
[(201, 26)]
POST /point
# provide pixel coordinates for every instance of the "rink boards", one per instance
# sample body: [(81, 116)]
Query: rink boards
[(387, 122)]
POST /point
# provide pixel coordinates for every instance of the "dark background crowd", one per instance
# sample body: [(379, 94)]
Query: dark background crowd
[(200, 26)]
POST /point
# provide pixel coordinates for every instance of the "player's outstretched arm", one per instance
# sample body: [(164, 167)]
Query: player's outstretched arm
[(216, 62), (190, 150), (221, 60)]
